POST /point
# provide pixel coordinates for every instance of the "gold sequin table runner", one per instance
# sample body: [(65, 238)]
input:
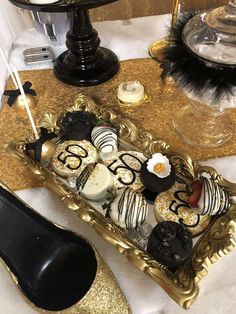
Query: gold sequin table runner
[(155, 115)]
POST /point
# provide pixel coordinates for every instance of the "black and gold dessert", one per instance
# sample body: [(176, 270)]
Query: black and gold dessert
[(170, 244), (172, 205), (129, 209), (126, 167), (43, 148), (71, 157), (208, 197), (77, 125), (157, 175)]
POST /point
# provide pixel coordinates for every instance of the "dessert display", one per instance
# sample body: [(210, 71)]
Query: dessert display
[(172, 205), (116, 183), (95, 183), (157, 175), (208, 197), (126, 167), (71, 157), (130, 92), (170, 244), (104, 138), (129, 209), (43, 148)]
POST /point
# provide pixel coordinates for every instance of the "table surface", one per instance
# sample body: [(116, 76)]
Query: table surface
[(128, 39)]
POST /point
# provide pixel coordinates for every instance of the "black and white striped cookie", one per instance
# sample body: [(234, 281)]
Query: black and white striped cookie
[(129, 209)]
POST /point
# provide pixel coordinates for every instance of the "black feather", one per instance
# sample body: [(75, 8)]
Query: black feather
[(193, 73)]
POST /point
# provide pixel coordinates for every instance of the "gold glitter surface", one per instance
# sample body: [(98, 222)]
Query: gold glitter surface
[(104, 296), (153, 115)]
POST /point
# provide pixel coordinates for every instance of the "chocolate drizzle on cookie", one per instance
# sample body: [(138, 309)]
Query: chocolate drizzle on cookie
[(135, 208), (104, 137)]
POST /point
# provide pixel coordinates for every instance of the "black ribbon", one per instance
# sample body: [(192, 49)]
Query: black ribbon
[(37, 146), (14, 93)]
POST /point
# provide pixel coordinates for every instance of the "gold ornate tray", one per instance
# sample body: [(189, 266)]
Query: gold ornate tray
[(217, 240)]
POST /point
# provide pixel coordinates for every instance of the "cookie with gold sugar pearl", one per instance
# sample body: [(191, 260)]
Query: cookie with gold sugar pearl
[(172, 205), (126, 166), (71, 157)]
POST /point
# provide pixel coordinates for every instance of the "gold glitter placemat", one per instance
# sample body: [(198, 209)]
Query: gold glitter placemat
[(155, 115)]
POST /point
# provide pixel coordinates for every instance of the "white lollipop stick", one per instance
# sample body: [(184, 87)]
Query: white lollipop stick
[(8, 67), (25, 103)]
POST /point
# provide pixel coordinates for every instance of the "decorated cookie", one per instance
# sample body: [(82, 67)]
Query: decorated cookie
[(96, 182), (170, 244), (129, 209), (77, 125), (126, 166), (71, 157), (104, 138), (157, 174), (172, 205), (130, 92), (208, 197)]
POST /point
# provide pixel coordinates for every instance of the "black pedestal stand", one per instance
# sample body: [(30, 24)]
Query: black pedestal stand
[(85, 63)]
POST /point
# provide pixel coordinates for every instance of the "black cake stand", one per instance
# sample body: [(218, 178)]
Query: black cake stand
[(85, 63)]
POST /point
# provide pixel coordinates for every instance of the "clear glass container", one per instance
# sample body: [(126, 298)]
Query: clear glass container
[(212, 34)]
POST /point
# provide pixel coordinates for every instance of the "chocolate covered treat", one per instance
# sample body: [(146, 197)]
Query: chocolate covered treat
[(129, 209), (96, 182), (71, 157), (157, 174), (172, 205), (208, 197), (170, 244), (104, 138), (77, 125), (126, 166)]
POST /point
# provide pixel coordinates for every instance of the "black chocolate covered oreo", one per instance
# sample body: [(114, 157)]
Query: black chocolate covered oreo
[(155, 184), (77, 125), (170, 244)]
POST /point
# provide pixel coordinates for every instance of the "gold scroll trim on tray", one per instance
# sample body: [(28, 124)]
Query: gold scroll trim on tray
[(53, 96)]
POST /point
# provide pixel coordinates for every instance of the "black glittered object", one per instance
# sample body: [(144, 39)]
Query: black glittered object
[(14, 93), (193, 72), (77, 125), (170, 244), (37, 145)]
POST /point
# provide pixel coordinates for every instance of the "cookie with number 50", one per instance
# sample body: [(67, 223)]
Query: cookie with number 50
[(126, 166), (71, 157)]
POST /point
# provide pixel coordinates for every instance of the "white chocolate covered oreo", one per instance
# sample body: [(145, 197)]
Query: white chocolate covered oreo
[(96, 184), (71, 157), (129, 209), (126, 166), (104, 138), (131, 92)]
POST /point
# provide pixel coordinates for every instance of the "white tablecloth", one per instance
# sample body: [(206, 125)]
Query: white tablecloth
[(128, 39)]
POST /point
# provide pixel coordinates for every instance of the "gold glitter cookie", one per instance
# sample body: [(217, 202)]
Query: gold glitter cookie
[(172, 205), (71, 157), (126, 166)]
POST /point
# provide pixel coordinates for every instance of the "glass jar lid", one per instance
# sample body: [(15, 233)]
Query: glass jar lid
[(212, 34)]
